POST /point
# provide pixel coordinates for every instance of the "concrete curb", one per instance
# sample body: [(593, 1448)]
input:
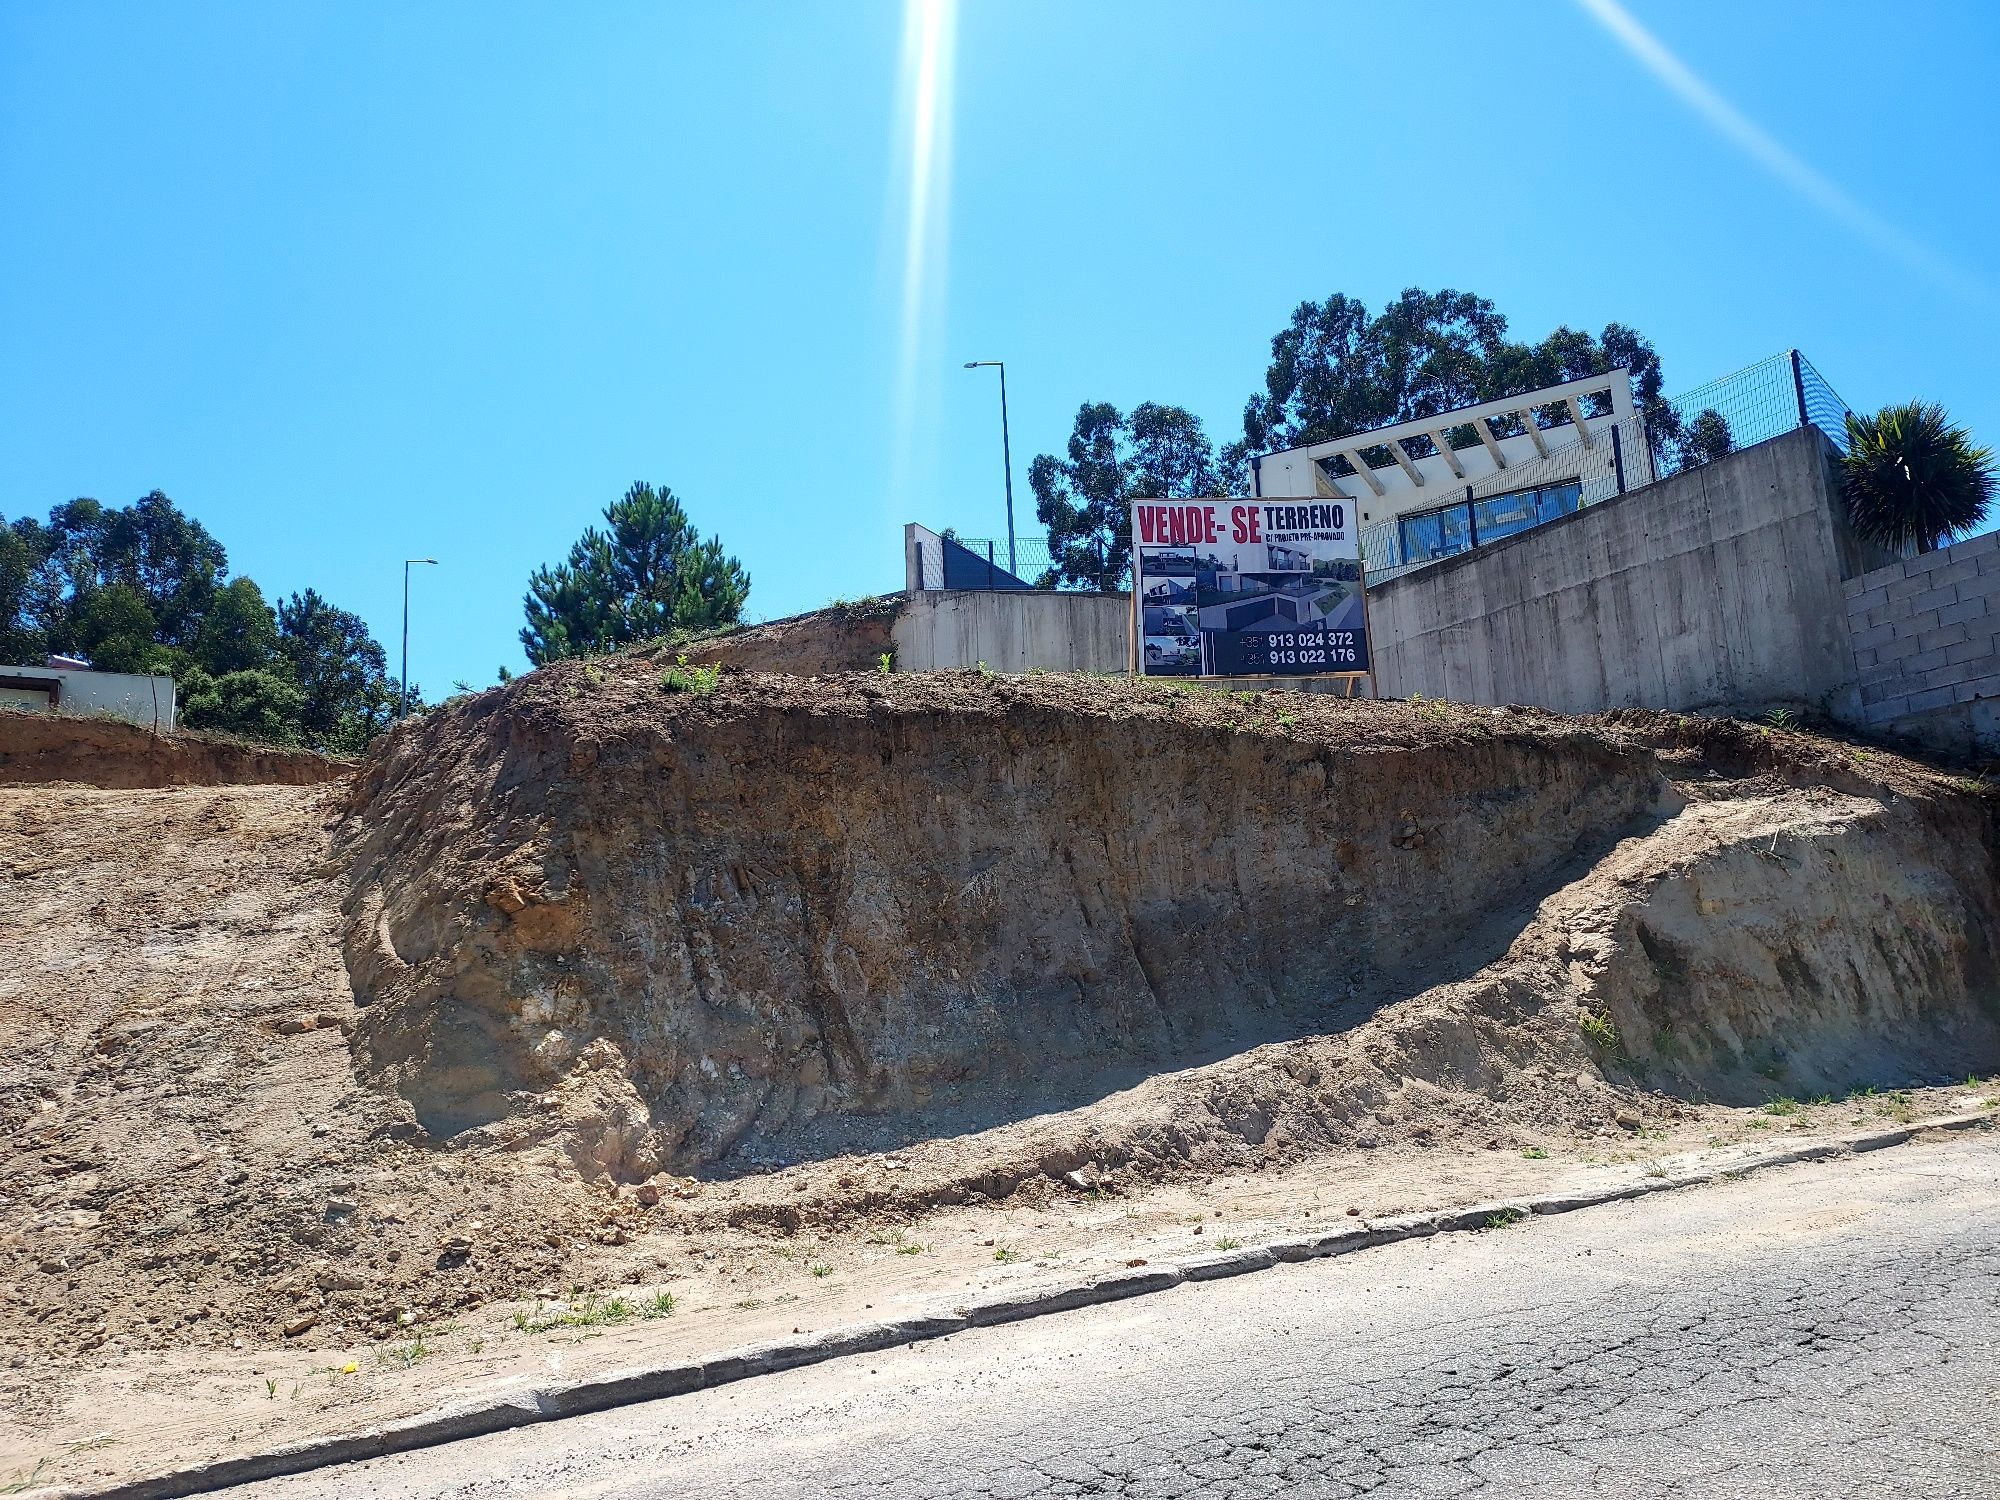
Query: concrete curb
[(649, 1383)]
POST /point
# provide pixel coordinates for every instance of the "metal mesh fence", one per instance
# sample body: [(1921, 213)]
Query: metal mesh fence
[(1032, 555), (1824, 408)]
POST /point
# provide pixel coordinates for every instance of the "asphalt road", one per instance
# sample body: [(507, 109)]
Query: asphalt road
[(1827, 1330)]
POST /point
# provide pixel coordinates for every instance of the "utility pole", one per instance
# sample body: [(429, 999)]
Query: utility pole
[(403, 696)]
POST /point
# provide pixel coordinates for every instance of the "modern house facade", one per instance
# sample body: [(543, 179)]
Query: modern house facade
[(1436, 486)]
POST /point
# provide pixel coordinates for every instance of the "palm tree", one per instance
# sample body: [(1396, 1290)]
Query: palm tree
[(1914, 478)]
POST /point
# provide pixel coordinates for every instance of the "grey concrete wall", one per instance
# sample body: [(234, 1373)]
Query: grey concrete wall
[(1013, 631), (1926, 639), (1715, 587)]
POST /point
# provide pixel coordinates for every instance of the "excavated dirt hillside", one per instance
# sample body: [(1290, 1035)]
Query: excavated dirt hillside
[(687, 933), (583, 982), (41, 747), (848, 637)]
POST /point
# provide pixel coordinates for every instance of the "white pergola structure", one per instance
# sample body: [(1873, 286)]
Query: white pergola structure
[(1584, 431)]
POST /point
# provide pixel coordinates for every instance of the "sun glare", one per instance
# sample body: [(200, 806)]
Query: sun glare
[(924, 146)]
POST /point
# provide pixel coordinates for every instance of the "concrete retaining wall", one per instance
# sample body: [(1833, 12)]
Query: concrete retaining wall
[(1926, 638), (1012, 631), (1717, 586)]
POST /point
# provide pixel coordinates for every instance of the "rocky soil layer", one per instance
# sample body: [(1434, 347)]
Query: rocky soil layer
[(699, 933), (41, 747)]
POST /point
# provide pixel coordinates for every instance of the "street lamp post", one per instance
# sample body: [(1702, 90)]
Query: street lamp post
[(1006, 453), (403, 697)]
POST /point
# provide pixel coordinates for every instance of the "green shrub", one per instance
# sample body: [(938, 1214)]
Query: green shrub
[(684, 677)]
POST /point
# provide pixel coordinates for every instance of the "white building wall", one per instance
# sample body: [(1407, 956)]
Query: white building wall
[(111, 695)]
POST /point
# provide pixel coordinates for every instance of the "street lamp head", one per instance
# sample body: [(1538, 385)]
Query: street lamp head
[(431, 560)]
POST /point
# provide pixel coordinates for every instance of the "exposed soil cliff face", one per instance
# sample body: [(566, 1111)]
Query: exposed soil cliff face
[(42, 747), (849, 637), (1809, 936), (795, 916)]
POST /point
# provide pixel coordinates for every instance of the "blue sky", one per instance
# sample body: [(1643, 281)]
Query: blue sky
[(358, 282)]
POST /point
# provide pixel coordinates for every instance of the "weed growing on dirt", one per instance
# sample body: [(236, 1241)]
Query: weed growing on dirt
[(1782, 1105), (1656, 1170), (1534, 1153), (1597, 1029), (1782, 718), (1897, 1106), (886, 663), (1506, 1218), (22, 1483), (407, 1355), (682, 677), (820, 1269), (270, 1390), (587, 1310), (1229, 1242), (1005, 1256), (659, 1305), (985, 671), (913, 1248)]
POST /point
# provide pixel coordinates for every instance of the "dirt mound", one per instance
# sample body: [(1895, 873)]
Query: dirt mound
[(846, 637), (41, 747), (793, 919)]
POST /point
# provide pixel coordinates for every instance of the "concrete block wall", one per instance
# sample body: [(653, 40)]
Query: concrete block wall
[(1926, 638)]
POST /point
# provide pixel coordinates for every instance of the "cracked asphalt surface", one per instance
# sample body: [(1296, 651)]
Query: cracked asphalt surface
[(1824, 1330)]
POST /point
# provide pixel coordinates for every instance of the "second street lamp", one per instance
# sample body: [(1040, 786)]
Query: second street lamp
[(403, 697), (1006, 454)]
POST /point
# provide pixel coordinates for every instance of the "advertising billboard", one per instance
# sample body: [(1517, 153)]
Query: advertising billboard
[(1248, 588)]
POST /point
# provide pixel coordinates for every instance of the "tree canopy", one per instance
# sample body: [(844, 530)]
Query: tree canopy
[(1085, 498), (1337, 369), (647, 575), (146, 588)]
